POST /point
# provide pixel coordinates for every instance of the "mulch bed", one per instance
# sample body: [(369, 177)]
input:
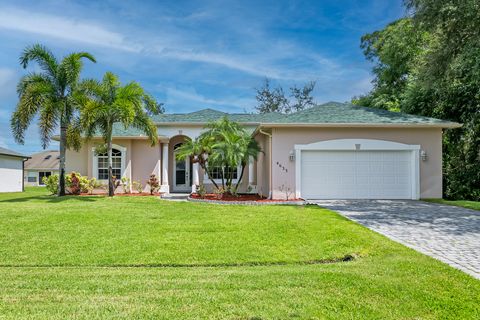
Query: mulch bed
[(250, 199)]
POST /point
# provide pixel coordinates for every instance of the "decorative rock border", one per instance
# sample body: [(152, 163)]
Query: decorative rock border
[(251, 203)]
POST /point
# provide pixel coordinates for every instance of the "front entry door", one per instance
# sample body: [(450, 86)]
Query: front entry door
[(181, 175)]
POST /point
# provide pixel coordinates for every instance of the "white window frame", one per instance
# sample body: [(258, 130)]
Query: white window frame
[(123, 150), (207, 180), (39, 180), (360, 144)]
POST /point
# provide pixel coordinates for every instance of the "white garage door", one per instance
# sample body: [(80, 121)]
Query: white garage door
[(356, 174)]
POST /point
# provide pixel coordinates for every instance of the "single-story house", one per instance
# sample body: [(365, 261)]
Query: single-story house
[(11, 170), (330, 151), (41, 164)]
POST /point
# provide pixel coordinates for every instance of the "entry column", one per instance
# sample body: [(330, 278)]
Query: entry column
[(165, 187)]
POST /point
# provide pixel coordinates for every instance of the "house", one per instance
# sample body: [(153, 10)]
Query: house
[(330, 151), (11, 170), (41, 164)]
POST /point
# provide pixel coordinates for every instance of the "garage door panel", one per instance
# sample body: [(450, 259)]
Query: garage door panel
[(356, 174)]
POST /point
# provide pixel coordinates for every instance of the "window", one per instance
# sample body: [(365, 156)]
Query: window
[(32, 179), (216, 173), (102, 164), (42, 174)]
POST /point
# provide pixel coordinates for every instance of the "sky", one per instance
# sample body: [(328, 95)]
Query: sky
[(192, 55)]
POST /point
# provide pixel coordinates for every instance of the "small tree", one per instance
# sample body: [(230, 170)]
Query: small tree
[(226, 145)]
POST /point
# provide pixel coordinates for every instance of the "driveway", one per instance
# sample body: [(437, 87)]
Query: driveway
[(447, 233)]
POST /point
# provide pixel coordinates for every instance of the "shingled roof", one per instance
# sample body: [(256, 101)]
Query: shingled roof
[(327, 114), (7, 152), (43, 160)]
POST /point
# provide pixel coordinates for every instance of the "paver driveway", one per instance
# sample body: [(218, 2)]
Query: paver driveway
[(450, 234)]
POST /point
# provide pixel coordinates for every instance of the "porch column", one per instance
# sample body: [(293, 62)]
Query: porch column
[(165, 187), (195, 178)]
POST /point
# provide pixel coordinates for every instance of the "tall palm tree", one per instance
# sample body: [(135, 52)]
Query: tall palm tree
[(50, 95), (108, 102)]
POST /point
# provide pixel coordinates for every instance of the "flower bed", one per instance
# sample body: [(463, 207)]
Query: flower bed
[(245, 199)]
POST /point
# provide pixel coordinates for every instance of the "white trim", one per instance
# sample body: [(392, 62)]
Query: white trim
[(122, 161), (360, 145)]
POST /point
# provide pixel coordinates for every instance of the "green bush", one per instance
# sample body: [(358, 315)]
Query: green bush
[(51, 183)]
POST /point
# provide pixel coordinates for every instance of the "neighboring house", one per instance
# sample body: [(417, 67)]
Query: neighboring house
[(11, 170), (331, 151), (42, 164)]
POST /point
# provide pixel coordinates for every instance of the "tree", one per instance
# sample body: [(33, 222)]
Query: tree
[(428, 65), (108, 102), (274, 100), (50, 95), (226, 145), (270, 100)]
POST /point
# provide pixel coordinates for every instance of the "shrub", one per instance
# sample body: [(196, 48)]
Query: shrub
[(126, 185), (51, 183), (201, 191), (137, 185), (153, 183)]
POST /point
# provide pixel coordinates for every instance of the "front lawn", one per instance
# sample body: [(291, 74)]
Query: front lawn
[(141, 257), (475, 205)]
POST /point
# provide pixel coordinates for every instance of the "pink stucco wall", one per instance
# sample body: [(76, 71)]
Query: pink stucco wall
[(430, 140)]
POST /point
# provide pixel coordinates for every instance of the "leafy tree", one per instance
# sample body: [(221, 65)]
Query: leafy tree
[(274, 99), (270, 100), (303, 97), (108, 102), (429, 65), (224, 144), (49, 94)]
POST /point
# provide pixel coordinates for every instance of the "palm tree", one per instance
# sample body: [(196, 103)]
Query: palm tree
[(224, 144), (50, 95), (108, 102)]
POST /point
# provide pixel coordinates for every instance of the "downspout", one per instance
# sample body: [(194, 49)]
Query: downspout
[(271, 166)]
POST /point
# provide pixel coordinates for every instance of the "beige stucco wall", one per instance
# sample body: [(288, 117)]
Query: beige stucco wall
[(429, 139), (263, 165), (141, 159)]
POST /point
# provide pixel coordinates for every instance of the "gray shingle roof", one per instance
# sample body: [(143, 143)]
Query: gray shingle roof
[(12, 153), (327, 113), (43, 160), (334, 112), (208, 115)]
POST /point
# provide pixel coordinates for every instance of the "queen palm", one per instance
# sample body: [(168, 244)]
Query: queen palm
[(49, 94), (108, 102)]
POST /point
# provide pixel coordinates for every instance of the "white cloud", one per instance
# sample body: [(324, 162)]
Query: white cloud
[(63, 28)]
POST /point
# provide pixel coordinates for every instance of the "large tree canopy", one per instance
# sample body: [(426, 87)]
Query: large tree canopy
[(429, 64)]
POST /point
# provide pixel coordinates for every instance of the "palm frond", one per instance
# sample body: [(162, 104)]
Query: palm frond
[(41, 55), (48, 122)]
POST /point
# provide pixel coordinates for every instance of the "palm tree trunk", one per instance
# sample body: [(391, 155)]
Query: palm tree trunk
[(111, 189), (209, 176), (63, 145), (241, 176)]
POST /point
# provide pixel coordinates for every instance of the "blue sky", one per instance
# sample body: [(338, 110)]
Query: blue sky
[(197, 54)]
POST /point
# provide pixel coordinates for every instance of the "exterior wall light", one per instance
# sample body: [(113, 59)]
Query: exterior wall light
[(423, 155), (291, 155)]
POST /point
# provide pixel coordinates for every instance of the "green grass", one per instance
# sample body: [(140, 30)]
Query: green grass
[(140, 257), (475, 205)]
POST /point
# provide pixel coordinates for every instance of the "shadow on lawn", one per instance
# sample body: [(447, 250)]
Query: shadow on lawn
[(52, 199)]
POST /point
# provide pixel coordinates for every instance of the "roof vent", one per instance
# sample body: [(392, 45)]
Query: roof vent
[(48, 157)]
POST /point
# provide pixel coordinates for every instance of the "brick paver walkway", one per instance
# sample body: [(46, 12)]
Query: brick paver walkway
[(447, 233)]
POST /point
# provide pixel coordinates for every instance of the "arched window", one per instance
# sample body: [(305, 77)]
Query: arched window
[(102, 164)]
